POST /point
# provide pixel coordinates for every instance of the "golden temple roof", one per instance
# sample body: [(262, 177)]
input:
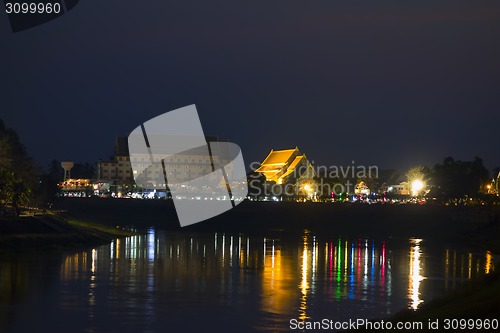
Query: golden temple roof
[(280, 163)]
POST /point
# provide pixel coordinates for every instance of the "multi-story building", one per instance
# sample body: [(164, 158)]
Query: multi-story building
[(179, 168), (176, 168), (118, 168)]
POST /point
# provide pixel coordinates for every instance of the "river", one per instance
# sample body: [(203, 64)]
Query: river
[(164, 281)]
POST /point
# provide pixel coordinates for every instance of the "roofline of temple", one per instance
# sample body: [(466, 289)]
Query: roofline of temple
[(279, 150)]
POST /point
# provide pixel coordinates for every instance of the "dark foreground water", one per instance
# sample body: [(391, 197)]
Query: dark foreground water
[(214, 282)]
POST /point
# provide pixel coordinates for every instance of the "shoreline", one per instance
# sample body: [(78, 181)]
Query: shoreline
[(53, 232), (474, 226), (80, 222)]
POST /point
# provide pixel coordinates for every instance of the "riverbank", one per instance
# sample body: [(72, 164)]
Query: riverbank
[(47, 232), (90, 221), (471, 226)]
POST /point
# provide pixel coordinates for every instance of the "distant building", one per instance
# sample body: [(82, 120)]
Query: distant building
[(284, 166), (75, 185), (180, 167), (118, 168), (362, 188), (402, 188)]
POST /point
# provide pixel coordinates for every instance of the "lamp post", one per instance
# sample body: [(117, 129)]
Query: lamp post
[(416, 186)]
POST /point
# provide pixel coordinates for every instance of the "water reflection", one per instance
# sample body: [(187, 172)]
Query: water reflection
[(304, 285), (275, 299), (416, 277), (344, 270), (474, 265), (158, 279)]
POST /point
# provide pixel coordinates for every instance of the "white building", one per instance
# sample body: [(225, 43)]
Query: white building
[(180, 167)]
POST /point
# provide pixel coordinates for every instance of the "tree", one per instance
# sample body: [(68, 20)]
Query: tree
[(5, 160), (18, 173), (327, 185), (83, 170), (55, 171), (256, 185), (458, 179)]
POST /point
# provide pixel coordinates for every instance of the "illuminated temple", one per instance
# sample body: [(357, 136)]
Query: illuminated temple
[(282, 166)]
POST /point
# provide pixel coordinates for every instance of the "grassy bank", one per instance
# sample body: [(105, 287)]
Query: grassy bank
[(53, 232)]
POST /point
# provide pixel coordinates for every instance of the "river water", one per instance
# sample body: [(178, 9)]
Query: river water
[(206, 282)]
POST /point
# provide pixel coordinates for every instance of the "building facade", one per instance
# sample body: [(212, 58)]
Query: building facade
[(177, 168), (118, 168)]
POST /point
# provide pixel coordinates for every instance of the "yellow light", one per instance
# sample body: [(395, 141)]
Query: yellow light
[(416, 186), (415, 278), (307, 187)]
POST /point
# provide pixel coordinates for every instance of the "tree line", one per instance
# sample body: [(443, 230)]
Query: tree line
[(22, 182), (18, 172)]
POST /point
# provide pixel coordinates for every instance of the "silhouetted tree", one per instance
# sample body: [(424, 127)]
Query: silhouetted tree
[(256, 185), (18, 174), (46, 191), (83, 170), (327, 185), (5, 158), (458, 179), (55, 171)]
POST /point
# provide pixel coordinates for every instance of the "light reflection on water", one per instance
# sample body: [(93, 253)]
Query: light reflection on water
[(163, 279), (415, 277)]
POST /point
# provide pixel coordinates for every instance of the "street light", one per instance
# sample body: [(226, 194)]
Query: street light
[(416, 186), (309, 190)]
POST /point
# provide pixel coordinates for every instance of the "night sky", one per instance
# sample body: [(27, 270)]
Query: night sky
[(387, 83)]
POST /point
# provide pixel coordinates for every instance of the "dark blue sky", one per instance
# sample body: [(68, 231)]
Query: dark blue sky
[(388, 83)]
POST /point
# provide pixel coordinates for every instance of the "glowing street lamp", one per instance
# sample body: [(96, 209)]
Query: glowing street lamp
[(416, 186), (309, 190)]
